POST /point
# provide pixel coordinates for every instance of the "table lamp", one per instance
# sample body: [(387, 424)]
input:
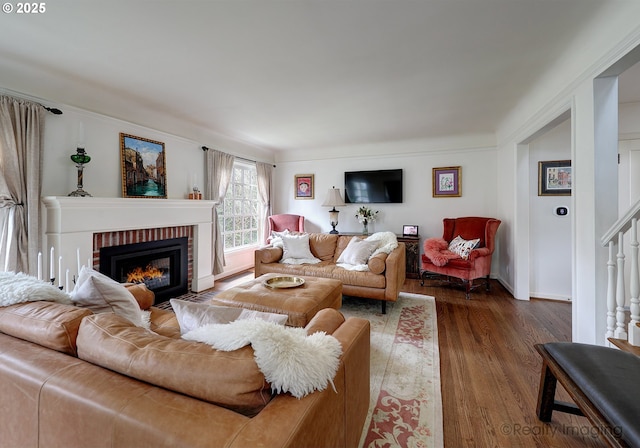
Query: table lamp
[(333, 200)]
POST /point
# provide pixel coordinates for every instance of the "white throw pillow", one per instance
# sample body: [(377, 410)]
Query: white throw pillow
[(296, 247), (192, 315), (102, 294), (462, 247), (357, 251)]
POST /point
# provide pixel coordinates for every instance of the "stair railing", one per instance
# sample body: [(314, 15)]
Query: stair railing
[(617, 326)]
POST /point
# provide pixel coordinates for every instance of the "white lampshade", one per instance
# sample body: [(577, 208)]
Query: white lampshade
[(334, 199)]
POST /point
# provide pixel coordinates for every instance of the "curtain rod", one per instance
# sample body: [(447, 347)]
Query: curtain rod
[(23, 96), (204, 148)]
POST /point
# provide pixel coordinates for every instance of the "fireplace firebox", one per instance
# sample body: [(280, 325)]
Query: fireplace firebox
[(161, 265)]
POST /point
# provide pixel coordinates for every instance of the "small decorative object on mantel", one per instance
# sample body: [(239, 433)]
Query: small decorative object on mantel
[(365, 215), (195, 190), (80, 158)]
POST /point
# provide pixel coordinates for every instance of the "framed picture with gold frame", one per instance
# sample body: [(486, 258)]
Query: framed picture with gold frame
[(447, 182), (303, 186), (144, 171)]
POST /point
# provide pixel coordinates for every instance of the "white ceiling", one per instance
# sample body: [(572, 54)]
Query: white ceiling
[(287, 75)]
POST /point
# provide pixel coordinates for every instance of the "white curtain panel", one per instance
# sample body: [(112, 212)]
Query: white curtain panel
[(21, 135), (265, 171), (219, 172)]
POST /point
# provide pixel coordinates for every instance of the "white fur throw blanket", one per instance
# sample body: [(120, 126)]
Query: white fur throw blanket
[(290, 360), (20, 287), (387, 243)]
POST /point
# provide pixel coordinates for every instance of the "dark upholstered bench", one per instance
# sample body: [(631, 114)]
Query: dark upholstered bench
[(603, 383)]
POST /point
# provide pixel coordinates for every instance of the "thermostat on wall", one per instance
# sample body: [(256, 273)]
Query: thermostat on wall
[(561, 211)]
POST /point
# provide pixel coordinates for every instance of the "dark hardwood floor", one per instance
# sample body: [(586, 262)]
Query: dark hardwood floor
[(490, 370)]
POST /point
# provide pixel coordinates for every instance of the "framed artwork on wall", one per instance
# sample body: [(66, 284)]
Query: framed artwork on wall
[(144, 172), (554, 178), (303, 185), (447, 182)]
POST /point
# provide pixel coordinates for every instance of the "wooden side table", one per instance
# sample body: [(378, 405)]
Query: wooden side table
[(412, 244)]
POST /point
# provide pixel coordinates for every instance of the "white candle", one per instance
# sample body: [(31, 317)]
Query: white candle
[(51, 268), (67, 281), (60, 270), (81, 135), (78, 258), (39, 265), (89, 264)]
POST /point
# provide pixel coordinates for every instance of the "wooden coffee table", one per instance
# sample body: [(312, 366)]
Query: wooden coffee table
[(300, 303)]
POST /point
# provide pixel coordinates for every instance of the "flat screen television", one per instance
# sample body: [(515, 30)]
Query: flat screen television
[(373, 187)]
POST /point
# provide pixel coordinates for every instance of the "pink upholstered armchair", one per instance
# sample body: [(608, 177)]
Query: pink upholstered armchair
[(280, 223), (447, 264)]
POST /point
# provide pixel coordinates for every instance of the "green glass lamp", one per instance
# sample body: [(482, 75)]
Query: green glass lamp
[(80, 158)]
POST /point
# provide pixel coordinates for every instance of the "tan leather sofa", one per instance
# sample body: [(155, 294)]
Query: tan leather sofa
[(70, 378), (383, 281)]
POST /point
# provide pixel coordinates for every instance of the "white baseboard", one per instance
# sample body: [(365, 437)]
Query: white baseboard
[(542, 295)]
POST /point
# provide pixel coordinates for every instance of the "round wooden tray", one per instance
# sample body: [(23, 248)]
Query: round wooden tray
[(284, 282)]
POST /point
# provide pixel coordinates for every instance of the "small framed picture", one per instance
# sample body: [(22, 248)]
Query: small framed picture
[(446, 182), (303, 184), (554, 178), (409, 230)]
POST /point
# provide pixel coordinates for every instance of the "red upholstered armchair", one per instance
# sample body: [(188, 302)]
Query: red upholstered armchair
[(280, 223), (446, 264)]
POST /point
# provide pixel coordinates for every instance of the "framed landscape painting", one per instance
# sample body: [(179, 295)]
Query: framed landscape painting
[(446, 182), (303, 186), (554, 178), (144, 172)]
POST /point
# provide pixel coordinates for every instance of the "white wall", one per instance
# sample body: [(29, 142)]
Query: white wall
[(102, 176), (569, 85), (550, 235), (416, 159)]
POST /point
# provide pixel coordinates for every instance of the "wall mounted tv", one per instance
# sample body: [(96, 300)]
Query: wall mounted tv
[(369, 187)]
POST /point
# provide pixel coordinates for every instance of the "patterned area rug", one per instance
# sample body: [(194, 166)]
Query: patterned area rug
[(406, 405)]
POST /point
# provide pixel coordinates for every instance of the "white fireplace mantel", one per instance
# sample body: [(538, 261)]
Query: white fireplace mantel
[(72, 221)]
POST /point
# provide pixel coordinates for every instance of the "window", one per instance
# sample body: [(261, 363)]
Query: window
[(239, 212)]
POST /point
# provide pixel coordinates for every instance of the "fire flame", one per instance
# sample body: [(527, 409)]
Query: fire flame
[(139, 275)]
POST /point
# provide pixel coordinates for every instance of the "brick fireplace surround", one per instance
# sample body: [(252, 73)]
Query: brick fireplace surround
[(123, 237), (85, 224)]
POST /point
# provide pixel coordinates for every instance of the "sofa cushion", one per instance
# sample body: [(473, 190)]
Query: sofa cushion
[(164, 322), (296, 249), (49, 324), (228, 379), (357, 252), (378, 263), (143, 295), (269, 254), (102, 294), (323, 245), (462, 247)]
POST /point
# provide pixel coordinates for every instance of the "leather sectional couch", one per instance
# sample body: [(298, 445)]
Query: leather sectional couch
[(71, 378), (382, 281)]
